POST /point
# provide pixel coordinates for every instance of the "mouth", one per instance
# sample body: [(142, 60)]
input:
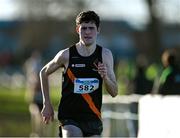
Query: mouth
[(88, 37)]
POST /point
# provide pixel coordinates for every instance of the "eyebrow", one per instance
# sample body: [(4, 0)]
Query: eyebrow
[(85, 27)]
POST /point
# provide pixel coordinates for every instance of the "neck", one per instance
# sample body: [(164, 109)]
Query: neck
[(85, 50)]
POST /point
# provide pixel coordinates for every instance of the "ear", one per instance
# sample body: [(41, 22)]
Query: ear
[(77, 29)]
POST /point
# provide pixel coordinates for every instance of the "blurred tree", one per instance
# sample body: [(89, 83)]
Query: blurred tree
[(59, 9), (162, 12), (154, 31)]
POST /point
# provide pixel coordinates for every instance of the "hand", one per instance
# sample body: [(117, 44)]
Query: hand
[(47, 113), (102, 70)]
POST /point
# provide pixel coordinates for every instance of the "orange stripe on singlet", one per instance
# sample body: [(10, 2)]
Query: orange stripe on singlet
[(70, 75), (86, 96), (91, 104)]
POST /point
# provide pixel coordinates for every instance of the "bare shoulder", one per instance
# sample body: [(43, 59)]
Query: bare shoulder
[(63, 53), (62, 56), (106, 54)]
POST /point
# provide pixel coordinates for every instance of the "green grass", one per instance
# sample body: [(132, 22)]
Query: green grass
[(14, 112), (13, 101)]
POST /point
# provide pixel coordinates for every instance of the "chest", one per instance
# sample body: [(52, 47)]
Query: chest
[(84, 67)]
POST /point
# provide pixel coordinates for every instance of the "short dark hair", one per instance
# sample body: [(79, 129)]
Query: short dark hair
[(88, 16)]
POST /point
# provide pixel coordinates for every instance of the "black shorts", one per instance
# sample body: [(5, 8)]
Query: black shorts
[(88, 128)]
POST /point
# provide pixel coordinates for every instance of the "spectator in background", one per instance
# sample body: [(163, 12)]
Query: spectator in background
[(33, 95), (170, 78), (141, 84)]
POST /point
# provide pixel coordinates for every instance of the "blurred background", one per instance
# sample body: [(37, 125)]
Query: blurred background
[(136, 31)]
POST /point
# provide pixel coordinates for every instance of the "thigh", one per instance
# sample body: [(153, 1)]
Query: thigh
[(70, 128), (71, 131)]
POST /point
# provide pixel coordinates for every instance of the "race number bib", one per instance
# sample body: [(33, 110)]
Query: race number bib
[(85, 85)]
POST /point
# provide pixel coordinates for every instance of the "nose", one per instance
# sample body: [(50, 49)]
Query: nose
[(88, 31)]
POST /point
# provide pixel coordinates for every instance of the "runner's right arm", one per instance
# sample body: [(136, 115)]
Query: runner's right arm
[(60, 60)]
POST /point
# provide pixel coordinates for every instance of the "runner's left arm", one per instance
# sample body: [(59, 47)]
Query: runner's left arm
[(106, 70)]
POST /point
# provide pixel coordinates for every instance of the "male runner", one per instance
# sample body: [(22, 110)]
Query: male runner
[(86, 66)]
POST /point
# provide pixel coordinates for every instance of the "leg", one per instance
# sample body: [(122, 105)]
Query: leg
[(71, 131)]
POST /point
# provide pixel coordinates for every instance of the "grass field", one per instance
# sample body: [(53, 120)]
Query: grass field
[(14, 113)]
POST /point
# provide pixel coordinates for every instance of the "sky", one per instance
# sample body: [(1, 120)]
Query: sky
[(7, 9), (123, 9), (119, 9), (135, 11)]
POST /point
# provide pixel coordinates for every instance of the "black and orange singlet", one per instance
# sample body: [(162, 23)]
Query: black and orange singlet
[(82, 87)]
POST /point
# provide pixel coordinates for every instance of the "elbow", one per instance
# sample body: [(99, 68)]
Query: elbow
[(114, 94), (42, 73), (113, 91)]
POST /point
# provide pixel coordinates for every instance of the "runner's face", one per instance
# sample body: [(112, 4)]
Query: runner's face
[(87, 33)]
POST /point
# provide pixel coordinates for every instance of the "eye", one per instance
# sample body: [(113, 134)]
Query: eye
[(84, 28), (91, 28)]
